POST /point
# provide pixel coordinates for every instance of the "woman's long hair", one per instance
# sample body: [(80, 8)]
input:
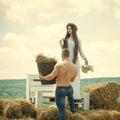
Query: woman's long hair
[(75, 38)]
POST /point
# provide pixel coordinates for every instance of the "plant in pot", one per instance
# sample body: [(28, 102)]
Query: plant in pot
[(45, 66)]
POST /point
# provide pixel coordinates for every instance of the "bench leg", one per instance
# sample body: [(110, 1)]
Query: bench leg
[(38, 99), (86, 103)]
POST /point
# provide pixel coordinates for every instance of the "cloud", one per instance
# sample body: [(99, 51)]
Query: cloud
[(43, 39), (114, 6), (18, 54), (117, 13), (26, 10), (104, 57), (4, 5), (50, 33), (19, 51), (19, 48)]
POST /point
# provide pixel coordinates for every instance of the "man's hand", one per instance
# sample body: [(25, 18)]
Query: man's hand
[(41, 77)]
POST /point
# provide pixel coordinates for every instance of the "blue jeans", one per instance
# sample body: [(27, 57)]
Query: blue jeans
[(61, 93)]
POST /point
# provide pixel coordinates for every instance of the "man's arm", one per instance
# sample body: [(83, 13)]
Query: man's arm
[(50, 76)]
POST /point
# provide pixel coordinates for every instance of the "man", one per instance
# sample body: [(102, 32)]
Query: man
[(65, 72)]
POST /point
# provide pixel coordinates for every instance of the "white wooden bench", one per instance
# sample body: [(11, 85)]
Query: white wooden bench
[(35, 92)]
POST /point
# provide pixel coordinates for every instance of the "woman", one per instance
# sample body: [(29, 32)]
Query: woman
[(74, 46)]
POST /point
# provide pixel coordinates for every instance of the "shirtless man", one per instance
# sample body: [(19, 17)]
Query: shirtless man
[(65, 71)]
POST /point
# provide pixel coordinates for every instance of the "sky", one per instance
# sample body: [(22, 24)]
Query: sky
[(31, 27)]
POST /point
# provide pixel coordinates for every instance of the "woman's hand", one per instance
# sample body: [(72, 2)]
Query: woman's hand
[(61, 40), (86, 61)]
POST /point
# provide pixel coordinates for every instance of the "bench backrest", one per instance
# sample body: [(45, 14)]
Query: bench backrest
[(33, 85)]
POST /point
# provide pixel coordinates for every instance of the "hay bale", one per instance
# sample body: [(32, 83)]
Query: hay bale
[(113, 106), (51, 113), (75, 116), (78, 116), (20, 108), (12, 110), (23, 118), (103, 94), (27, 108), (48, 113), (99, 115), (68, 115), (102, 115), (115, 115), (3, 103), (3, 118)]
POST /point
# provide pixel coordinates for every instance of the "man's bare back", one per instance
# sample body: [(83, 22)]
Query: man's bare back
[(66, 73)]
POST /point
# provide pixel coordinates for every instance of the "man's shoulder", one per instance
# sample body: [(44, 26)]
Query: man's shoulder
[(58, 65), (61, 64)]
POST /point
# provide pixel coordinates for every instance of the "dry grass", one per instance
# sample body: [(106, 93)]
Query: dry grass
[(104, 95), (51, 113), (47, 113), (43, 59), (15, 109), (3, 104), (102, 115)]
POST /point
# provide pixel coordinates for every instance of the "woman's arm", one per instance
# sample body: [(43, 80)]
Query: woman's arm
[(61, 43), (81, 53)]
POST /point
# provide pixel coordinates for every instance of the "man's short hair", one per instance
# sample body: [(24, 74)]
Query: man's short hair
[(65, 52)]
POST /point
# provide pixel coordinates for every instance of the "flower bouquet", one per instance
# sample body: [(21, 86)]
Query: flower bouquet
[(86, 68), (45, 66)]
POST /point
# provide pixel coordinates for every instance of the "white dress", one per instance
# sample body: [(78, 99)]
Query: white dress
[(76, 83)]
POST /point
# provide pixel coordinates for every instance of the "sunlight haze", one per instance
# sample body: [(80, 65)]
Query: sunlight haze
[(29, 27)]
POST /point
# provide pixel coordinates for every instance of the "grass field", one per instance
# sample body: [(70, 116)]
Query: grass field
[(16, 88)]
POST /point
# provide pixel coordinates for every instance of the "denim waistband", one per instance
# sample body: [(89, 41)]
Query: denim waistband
[(63, 86)]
